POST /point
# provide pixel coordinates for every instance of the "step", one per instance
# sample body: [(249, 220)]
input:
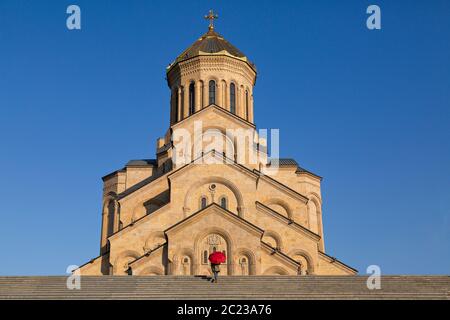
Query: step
[(230, 287)]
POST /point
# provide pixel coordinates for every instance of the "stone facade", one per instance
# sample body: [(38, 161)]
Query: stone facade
[(164, 216)]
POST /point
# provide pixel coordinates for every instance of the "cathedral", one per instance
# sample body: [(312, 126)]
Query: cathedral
[(164, 216)]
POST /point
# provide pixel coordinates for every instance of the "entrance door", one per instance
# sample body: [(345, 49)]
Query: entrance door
[(213, 242)]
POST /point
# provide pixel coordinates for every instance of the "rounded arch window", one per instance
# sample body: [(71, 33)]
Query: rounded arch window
[(205, 256), (177, 102), (246, 105), (224, 202), (203, 202), (212, 92), (111, 211), (191, 98), (233, 98)]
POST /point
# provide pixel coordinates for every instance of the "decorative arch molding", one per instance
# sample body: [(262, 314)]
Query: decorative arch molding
[(282, 204), (183, 252), (150, 242), (224, 234), (213, 78), (124, 254), (276, 270), (138, 212), (224, 93), (177, 260), (152, 270), (228, 145), (314, 197), (156, 201), (276, 237), (315, 217), (311, 264), (110, 198), (141, 209), (250, 256), (214, 179)]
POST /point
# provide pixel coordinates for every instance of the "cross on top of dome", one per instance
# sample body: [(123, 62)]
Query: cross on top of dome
[(211, 16)]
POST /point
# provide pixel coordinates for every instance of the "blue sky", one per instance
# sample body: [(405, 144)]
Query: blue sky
[(367, 110)]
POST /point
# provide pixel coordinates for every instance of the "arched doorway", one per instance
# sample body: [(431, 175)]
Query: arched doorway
[(209, 244)]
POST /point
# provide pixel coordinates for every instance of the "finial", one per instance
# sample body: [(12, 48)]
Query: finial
[(211, 17)]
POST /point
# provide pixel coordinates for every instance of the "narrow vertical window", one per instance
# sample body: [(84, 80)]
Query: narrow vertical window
[(212, 92), (203, 202), (233, 98), (223, 203), (111, 209), (205, 257), (246, 104), (191, 98), (176, 107), (183, 102)]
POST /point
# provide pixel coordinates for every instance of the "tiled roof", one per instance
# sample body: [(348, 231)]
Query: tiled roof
[(141, 163), (287, 162), (211, 42)]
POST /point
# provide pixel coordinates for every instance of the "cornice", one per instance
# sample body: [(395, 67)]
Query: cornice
[(213, 153), (215, 208), (139, 221), (147, 254), (279, 255), (283, 187), (215, 108), (294, 225), (211, 63), (338, 263)]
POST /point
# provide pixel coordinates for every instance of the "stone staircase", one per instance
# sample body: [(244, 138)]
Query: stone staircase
[(231, 287)]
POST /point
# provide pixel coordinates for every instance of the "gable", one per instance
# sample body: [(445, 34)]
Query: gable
[(218, 216), (214, 116)]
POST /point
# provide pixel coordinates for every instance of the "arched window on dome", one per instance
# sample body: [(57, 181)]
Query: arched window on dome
[(246, 104), (177, 111), (212, 92), (203, 202), (232, 98), (191, 98)]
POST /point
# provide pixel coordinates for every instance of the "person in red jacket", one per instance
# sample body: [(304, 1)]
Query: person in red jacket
[(216, 258)]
